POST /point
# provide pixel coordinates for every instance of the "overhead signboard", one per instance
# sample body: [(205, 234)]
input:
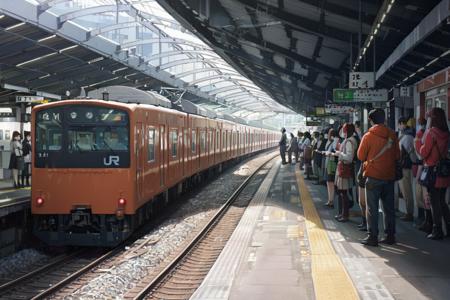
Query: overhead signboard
[(320, 111), (338, 109), (313, 123), (361, 80), (361, 95), (29, 99), (404, 91)]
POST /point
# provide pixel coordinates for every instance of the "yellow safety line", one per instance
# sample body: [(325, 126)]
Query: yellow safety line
[(331, 280)]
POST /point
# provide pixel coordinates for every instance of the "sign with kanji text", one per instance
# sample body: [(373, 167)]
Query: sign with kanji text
[(361, 80), (29, 99), (361, 95), (338, 109)]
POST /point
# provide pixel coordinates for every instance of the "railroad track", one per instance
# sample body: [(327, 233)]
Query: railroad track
[(42, 281), (55, 278), (183, 275)]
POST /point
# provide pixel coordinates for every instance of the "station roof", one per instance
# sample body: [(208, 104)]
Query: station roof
[(57, 48), (298, 51)]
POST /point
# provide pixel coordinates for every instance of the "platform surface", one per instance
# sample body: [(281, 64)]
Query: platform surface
[(288, 247), (12, 200)]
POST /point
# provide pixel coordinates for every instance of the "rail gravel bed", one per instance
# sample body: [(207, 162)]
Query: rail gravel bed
[(145, 257)]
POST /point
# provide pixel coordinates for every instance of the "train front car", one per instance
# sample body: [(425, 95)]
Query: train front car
[(83, 179)]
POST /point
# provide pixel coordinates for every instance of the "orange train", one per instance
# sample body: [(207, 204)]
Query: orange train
[(102, 168)]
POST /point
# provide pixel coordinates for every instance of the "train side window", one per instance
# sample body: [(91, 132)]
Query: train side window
[(224, 140), (203, 141), (174, 142), (194, 142), (151, 145), (217, 140)]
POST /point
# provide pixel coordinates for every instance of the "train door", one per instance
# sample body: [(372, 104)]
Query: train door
[(162, 155), (140, 135)]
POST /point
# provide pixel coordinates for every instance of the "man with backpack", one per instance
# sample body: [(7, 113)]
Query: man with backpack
[(408, 157), (379, 151)]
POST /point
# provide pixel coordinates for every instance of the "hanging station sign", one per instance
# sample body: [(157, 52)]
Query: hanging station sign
[(338, 109), (29, 99), (361, 80), (361, 95)]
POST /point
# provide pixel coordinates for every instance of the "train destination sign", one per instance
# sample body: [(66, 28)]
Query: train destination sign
[(361, 95)]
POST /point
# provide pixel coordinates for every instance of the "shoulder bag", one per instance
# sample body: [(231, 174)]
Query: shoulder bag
[(430, 173), (361, 178)]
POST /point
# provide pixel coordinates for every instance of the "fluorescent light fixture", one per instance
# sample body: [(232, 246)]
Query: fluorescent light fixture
[(388, 8), (100, 58), (103, 81), (68, 48), (420, 70), (364, 51), (371, 38), (129, 75), (360, 57), (15, 26), (392, 2), (2, 16), (35, 59), (45, 76), (445, 53), (375, 31), (46, 38), (433, 61), (120, 69), (382, 18)]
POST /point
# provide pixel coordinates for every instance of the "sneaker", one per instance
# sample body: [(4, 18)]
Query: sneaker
[(370, 241), (388, 240)]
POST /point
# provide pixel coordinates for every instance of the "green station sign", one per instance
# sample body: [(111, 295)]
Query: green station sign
[(359, 95)]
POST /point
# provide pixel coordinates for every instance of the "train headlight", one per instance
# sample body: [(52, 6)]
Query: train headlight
[(89, 115), (39, 201), (122, 202)]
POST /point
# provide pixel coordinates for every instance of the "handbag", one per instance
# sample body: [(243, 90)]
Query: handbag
[(331, 166), (428, 177), (345, 170)]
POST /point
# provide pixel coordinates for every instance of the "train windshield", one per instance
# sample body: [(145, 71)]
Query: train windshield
[(82, 136)]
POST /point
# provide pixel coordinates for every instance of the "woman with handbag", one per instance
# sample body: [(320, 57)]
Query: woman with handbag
[(16, 162), (435, 174), (331, 164), (345, 170)]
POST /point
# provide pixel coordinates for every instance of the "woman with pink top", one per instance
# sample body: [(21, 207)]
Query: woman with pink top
[(434, 148)]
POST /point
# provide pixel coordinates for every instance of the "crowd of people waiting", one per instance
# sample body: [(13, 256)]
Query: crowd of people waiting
[(374, 162)]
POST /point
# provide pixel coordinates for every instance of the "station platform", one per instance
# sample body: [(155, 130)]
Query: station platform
[(13, 200), (288, 246)]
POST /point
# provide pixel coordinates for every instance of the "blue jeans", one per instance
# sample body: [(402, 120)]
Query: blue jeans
[(380, 190)]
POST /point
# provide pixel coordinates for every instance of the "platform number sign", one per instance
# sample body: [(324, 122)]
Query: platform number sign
[(361, 80)]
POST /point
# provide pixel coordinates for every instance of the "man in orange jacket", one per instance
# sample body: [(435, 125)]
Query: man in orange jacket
[(379, 151)]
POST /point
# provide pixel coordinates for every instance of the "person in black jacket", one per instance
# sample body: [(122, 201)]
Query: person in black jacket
[(26, 146)]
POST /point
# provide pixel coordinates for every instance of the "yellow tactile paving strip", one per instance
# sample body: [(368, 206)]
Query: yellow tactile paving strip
[(330, 278)]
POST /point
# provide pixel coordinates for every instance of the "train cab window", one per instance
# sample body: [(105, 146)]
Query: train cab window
[(194, 142), (49, 130), (174, 142), (151, 145), (203, 141)]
